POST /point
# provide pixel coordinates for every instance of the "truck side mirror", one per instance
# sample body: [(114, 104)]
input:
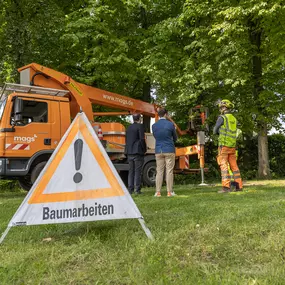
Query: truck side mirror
[(18, 109)]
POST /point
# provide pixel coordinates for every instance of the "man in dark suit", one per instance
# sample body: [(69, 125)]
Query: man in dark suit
[(135, 150)]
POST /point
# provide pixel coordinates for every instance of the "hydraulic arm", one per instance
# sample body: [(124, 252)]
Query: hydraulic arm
[(82, 95)]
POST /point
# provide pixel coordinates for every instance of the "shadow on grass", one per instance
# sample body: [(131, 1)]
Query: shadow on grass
[(265, 189), (11, 195), (67, 233), (100, 230)]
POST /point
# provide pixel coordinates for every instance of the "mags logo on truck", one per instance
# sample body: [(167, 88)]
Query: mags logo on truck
[(25, 139)]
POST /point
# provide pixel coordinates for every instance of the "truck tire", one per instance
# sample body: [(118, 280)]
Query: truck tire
[(149, 173), (25, 182), (37, 170)]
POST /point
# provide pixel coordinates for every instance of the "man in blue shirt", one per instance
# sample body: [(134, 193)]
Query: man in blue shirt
[(165, 136)]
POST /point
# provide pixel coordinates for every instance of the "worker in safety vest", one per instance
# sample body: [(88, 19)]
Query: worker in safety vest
[(226, 127)]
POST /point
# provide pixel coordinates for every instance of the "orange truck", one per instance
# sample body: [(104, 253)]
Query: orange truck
[(35, 114)]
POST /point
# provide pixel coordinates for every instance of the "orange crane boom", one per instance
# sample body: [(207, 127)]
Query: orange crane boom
[(82, 95)]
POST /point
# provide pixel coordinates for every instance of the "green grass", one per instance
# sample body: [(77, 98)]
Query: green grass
[(201, 237)]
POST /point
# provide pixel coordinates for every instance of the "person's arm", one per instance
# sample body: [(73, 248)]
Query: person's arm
[(219, 123), (153, 130), (126, 147), (174, 134), (141, 132), (142, 137)]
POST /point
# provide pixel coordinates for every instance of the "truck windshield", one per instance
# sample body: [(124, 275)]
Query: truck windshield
[(2, 107)]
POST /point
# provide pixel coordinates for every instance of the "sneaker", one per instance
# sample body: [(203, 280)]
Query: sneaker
[(238, 190), (171, 194), (131, 191), (138, 192), (233, 186), (157, 194)]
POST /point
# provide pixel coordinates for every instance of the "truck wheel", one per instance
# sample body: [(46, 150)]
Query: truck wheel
[(37, 170), (25, 182), (149, 173)]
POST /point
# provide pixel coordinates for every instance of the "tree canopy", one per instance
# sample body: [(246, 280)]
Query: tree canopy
[(185, 52)]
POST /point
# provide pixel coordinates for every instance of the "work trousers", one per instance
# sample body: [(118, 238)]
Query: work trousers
[(164, 160), (135, 172), (227, 156)]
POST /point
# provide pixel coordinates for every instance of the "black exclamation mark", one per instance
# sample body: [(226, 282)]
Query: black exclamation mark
[(78, 147)]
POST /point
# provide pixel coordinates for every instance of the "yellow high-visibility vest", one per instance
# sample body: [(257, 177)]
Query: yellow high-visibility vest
[(228, 131)]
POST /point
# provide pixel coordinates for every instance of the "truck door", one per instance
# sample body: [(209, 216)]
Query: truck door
[(33, 132)]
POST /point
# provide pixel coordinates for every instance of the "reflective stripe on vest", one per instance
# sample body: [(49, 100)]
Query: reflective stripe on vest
[(228, 131)]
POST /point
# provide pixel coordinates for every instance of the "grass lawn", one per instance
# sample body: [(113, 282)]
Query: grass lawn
[(201, 237)]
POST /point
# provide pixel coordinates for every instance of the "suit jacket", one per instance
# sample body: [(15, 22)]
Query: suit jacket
[(135, 139), (165, 136)]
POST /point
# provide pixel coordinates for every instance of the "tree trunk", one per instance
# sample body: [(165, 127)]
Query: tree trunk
[(255, 34), (146, 98), (146, 85), (263, 158)]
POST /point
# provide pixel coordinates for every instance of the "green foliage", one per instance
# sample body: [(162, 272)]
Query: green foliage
[(249, 152), (30, 32), (188, 52), (9, 186), (277, 155), (205, 53), (105, 36)]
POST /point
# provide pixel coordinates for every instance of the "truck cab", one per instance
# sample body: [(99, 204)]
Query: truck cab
[(32, 122)]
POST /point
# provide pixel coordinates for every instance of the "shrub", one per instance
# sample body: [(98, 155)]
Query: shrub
[(9, 186)]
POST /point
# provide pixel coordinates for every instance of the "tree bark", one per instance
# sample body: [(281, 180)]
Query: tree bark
[(255, 34), (146, 85), (146, 98), (263, 157)]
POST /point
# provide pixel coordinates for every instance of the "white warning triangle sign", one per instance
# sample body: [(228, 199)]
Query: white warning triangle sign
[(79, 183)]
